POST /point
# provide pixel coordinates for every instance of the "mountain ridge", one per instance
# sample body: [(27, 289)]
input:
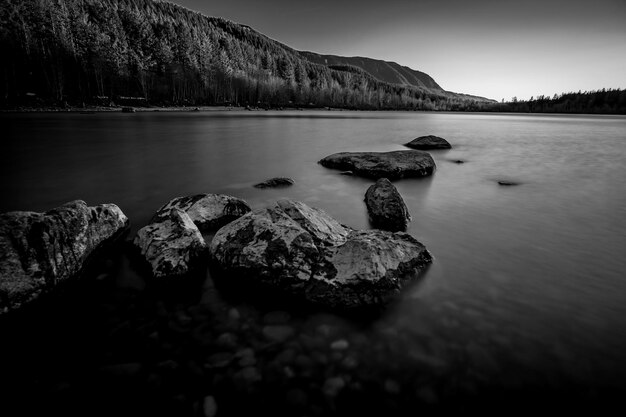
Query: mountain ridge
[(84, 51)]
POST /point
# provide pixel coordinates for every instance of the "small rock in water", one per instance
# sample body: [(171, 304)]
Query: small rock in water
[(458, 161), (276, 317), (278, 333), (350, 362), (275, 182), (210, 406), (332, 386), (341, 344), (507, 183)]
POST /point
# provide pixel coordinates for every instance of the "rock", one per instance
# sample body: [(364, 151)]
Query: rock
[(349, 173), (278, 333), (302, 252), (507, 183), (172, 246), (341, 344), (392, 386), (429, 142), (276, 317), (458, 161), (209, 406), (40, 250), (207, 211), (275, 182), (392, 165), (332, 386), (249, 375), (386, 207)]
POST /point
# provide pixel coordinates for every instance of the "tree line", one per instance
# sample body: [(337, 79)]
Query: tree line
[(604, 101), (71, 52)]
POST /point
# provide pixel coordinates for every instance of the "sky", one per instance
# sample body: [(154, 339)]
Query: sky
[(492, 48)]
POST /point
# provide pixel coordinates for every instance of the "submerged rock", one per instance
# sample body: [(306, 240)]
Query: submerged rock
[(275, 182), (429, 142), (172, 245), (207, 211), (302, 252), (40, 250), (386, 207), (392, 165)]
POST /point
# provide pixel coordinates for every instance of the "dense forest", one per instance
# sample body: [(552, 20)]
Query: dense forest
[(605, 101), (111, 52)]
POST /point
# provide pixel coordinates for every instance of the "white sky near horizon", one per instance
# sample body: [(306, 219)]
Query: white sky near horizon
[(492, 48)]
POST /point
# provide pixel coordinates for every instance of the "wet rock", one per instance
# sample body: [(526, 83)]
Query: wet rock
[(209, 406), (507, 183), (234, 314), (304, 253), (206, 211), (275, 182), (341, 344), (350, 362), (38, 251), (458, 161), (227, 340), (250, 375), (172, 246), (247, 361), (386, 208), (219, 360), (349, 173), (428, 142), (392, 165), (278, 333)]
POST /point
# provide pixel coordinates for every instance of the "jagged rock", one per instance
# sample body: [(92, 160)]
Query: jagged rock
[(386, 207), (207, 211), (429, 142), (392, 165), (302, 252), (172, 246), (40, 250), (275, 182)]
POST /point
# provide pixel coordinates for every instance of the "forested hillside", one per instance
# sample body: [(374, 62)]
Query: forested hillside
[(390, 72), (56, 52)]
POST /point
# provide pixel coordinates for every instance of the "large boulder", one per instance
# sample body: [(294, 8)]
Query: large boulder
[(302, 252), (392, 165), (172, 246), (429, 142), (386, 207), (207, 211), (38, 251)]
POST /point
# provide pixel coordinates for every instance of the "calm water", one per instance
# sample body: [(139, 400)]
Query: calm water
[(528, 285)]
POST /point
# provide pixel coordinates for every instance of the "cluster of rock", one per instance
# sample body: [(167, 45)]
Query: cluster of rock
[(290, 248)]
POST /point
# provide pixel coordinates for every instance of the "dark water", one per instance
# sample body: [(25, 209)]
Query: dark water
[(525, 300)]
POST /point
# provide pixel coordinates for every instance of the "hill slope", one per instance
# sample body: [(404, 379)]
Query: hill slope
[(103, 51), (389, 72)]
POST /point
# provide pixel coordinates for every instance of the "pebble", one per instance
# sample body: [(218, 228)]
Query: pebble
[(350, 362), (278, 333), (341, 344), (276, 317), (333, 385), (227, 340), (209, 406), (391, 386), (219, 360), (234, 314), (250, 374), (427, 395)]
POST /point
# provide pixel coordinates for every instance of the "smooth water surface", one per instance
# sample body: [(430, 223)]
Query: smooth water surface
[(528, 282)]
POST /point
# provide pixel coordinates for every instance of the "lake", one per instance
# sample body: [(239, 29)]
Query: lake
[(525, 299)]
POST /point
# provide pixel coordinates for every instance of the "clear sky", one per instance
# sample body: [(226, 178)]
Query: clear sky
[(492, 48)]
